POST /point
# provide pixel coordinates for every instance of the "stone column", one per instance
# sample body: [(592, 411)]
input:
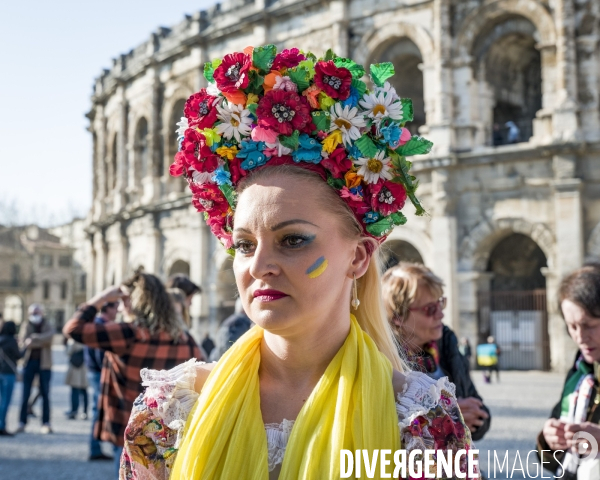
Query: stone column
[(565, 119), (151, 184), (589, 84), (339, 11), (100, 264), (443, 231), (122, 172)]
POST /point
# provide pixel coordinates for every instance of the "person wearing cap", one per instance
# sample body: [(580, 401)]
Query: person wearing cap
[(413, 297), (36, 338)]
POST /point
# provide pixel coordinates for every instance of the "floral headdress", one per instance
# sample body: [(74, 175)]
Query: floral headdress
[(264, 108)]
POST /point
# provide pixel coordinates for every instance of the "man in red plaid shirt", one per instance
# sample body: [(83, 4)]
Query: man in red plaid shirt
[(153, 336)]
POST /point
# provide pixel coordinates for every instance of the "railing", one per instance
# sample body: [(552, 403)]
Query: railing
[(519, 323), (16, 284)]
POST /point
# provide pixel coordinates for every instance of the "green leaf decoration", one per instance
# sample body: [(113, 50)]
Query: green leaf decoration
[(402, 167), (380, 72), (231, 252), (309, 65), (290, 141), (262, 57), (255, 85), (337, 183), (329, 55), (322, 120), (356, 70), (415, 146), (407, 110), (229, 194), (366, 146), (359, 86), (252, 107), (209, 69), (300, 77), (309, 56), (385, 225)]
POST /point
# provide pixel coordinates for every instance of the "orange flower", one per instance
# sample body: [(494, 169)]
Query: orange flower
[(270, 80), (238, 97), (248, 50), (311, 93), (352, 179)]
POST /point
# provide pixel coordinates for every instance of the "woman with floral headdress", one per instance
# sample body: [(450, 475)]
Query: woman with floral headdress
[(300, 173)]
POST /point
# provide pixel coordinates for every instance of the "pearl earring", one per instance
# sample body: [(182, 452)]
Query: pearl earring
[(355, 300)]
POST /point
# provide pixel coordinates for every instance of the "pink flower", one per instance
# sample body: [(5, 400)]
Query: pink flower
[(284, 112), (288, 58), (337, 163), (285, 84), (220, 226), (232, 74), (266, 135), (387, 197), (355, 201), (334, 81)]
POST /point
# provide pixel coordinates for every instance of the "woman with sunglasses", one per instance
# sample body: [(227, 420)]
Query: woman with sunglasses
[(413, 297)]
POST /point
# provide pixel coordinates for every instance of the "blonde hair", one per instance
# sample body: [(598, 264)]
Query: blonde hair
[(178, 297), (400, 285), (371, 313)]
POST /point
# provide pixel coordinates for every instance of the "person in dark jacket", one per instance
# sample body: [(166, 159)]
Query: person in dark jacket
[(412, 295), (93, 360), (575, 420), (232, 328), (9, 355)]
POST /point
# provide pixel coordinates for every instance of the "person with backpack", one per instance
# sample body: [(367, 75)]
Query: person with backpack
[(77, 379), (9, 355)]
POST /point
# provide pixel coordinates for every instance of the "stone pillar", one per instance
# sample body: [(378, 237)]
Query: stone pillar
[(151, 184), (568, 223), (443, 231), (100, 264), (339, 10), (565, 118), (200, 257), (465, 103), (122, 172), (589, 85)]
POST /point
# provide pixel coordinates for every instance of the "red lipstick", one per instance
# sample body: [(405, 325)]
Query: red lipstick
[(268, 295)]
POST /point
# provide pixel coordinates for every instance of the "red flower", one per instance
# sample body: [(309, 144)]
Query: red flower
[(334, 81), (442, 430), (338, 163), (179, 166), (288, 58), (356, 202), (387, 197), (236, 170), (284, 112), (220, 226), (208, 198), (196, 153), (232, 74), (200, 111)]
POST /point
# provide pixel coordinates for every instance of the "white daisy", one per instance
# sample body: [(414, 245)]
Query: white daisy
[(348, 121), (212, 89), (183, 125), (388, 90), (236, 121), (372, 169), (201, 177), (379, 106)]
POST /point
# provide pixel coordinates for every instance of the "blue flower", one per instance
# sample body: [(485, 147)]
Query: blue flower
[(357, 191), (371, 217), (253, 155), (221, 176), (352, 100), (309, 150), (354, 152), (391, 134), (180, 143)]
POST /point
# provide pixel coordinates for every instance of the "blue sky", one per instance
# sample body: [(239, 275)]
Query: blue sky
[(50, 52)]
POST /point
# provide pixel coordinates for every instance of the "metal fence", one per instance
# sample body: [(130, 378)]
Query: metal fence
[(519, 322)]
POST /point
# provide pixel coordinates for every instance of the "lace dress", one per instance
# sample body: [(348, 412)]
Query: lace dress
[(428, 418)]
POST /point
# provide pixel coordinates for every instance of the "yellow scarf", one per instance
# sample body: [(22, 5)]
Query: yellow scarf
[(352, 407)]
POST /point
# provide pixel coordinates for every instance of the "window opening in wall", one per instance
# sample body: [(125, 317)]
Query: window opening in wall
[(83, 282), (46, 260), (46, 289), (64, 261), (63, 290), (15, 275)]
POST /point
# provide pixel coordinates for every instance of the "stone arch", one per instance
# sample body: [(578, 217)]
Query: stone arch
[(476, 248), (172, 256), (418, 239), (172, 110), (495, 12), (375, 42), (179, 267)]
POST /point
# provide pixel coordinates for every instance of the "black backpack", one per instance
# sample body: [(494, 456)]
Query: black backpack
[(77, 359)]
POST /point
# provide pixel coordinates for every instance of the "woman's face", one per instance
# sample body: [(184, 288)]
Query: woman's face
[(419, 328), (584, 330), (293, 265)]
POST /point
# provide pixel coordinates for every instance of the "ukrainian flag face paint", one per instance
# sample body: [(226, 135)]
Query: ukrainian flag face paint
[(317, 268)]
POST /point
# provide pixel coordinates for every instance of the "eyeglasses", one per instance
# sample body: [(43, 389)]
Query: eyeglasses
[(432, 308)]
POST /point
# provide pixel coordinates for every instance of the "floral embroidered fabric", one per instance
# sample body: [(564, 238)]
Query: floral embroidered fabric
[(428, 418)]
